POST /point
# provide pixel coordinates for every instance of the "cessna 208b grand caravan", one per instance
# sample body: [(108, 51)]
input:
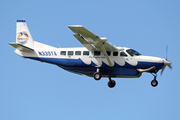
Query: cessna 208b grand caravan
[(97, 59)]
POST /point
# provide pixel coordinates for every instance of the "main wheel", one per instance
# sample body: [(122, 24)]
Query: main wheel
[(97, 76), (111, 83), (154, 83)]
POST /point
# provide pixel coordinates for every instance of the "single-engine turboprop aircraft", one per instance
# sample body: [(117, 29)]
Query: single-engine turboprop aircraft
[(97, 59)]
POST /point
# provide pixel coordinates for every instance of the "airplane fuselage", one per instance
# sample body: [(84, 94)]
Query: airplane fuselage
[(81, 61), (96, 59)]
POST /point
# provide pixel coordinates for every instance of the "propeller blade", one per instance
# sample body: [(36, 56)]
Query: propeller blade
[(170, 67), (166, 63), (163, 69)]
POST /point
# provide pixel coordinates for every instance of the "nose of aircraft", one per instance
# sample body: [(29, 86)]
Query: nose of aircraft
[(166, 63)]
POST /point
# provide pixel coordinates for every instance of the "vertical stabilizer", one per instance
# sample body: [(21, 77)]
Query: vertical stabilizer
[(23, 35)]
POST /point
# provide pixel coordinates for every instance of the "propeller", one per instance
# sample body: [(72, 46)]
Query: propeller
[(166, 62)]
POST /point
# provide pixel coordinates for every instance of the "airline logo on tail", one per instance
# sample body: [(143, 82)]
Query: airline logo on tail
[(22, 37)]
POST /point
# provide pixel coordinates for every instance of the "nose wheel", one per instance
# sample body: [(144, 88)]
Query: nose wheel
[(154, 82)]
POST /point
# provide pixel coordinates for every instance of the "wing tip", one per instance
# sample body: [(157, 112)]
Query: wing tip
[(70, 26)]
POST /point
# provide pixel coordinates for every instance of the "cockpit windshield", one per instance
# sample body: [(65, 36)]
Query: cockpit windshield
[(132, 52)]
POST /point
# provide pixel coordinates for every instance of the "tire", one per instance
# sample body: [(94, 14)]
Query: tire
[(111, 83), (97, 76), (154, 83)]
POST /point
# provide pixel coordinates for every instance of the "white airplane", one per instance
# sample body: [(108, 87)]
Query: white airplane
[(97, 59)]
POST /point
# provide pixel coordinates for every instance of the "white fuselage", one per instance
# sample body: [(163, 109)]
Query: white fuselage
[(79, 57)]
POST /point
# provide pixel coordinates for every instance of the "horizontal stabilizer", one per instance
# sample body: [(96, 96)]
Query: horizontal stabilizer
[(21, 47)]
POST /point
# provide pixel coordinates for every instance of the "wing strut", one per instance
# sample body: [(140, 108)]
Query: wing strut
[(92, 42), (104, 51)]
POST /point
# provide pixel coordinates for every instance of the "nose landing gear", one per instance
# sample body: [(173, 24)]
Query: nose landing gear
[(154, 82)]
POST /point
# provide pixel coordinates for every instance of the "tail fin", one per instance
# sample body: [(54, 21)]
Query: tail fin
[(23, 35)]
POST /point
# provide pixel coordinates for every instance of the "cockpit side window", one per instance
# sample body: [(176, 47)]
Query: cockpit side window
[(122, 54), (132, 52)]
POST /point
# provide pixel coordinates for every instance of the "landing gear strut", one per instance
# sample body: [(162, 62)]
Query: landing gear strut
[(111, 83), (154, 82)]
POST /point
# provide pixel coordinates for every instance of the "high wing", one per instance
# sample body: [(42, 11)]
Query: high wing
[(91, 41)]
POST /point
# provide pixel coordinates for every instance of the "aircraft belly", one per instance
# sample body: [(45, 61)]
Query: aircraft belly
[(106, 72), (89, 71), (120, 72)]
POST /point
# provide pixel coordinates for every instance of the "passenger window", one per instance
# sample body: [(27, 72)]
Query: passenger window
[(109, 53), (63, 53), (115, 53), (97, 53), (122, 54), (70, 53), (85, 53), (78, 53)]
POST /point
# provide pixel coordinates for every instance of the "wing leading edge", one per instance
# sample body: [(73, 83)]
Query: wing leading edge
[(91, 41)]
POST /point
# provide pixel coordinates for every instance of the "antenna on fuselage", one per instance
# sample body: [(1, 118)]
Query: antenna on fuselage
[(59, 46)]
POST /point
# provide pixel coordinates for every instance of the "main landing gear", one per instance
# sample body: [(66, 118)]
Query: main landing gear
[(111, 83), (154, 82), (97, 76)]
